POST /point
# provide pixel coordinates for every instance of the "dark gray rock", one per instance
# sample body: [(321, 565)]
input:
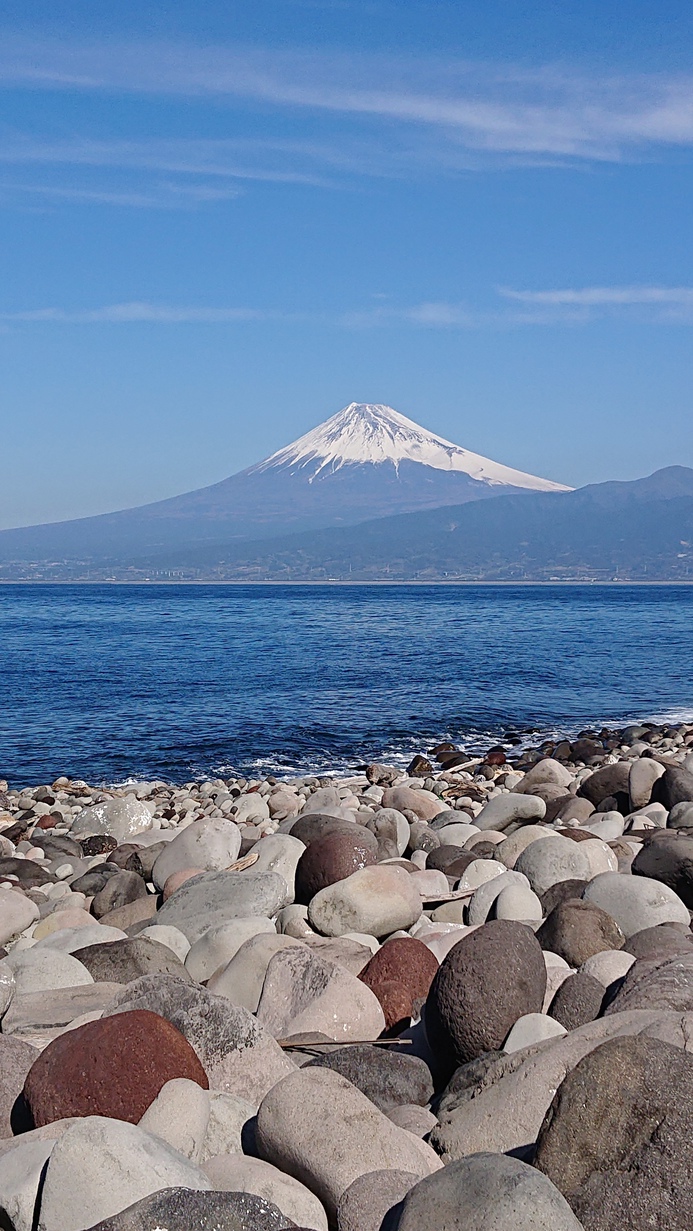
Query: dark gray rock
[(123, 961), (208, 900), (674, 787), (610, 780), (576, 930), (562, 891), (657, 983), (182, 1209), (486, 1192), (388, 1079), (16, 1058), (577, 1001), (663, 940), (668, 857), (317, 825), (616, 1139), (119, 890), (467, 1011)]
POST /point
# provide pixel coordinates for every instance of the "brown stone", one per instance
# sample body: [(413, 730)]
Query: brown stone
[(488, 980), (112, 1067), (136, 912), (576, 930), (119, 890), (406, 962), (616, 1139), (331, 859), (562, 891), (176, 879), (577, 1001)]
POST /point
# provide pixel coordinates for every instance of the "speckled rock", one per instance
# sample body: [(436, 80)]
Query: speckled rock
[(387, 1078), (577, 1001), (366, 1202), (182, 1209), (576, 930), (331, 859)]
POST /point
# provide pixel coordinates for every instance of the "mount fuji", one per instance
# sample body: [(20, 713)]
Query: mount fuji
[(367, 461)]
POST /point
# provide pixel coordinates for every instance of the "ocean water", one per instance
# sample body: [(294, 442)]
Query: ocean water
[(178, 682)]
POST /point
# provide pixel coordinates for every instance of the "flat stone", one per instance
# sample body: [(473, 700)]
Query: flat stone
[(212, 844), (505, 810), (122, 961), (215, 897), (44, 970), (486, 1192), (16, 913), (122, 818), (217, 947), (114, 1067), (551, 860), (38, 1013), (100, 1166), (387, 1078)]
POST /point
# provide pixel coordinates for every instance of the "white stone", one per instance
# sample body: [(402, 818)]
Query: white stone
[(241, 979), (228, 1113), (607, 966), (180, 1116), (551, 860), (169, 936), (42, 970), (99, 1167), (20, 1175), (217, 947), (532, 1028), (122, 818), (478, 873), (280, 853), (17, 913), (636, 902), (518, 903)]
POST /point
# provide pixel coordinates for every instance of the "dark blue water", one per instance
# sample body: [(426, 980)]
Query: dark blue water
[(107, 682)]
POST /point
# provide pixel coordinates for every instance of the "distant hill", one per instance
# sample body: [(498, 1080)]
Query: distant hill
[(640, 530), (366, 461)]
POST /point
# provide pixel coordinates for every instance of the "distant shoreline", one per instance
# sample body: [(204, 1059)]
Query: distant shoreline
[(361, 584)]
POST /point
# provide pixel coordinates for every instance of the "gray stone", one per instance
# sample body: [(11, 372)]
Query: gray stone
[(387, 1078), (511, 848), (16, 913), (123, 961), (643, 774), (207, 901), (608, 966), (68, 940), (280, 853), (635, 902), (681, 816), (239, 1056), (656, 984), (217, 947), (304, 992), (168, 936), (505, 810), (318, 1127), (551, 860), (484, 898), (416, 1120), (20, 1175), (377, 900), (16, 1058), (100, 1166), (122, 818), (242, 979), (182, 1209), (212, 844), (46, 1013), (238, 1173), (180, 1116), (227, 1116), (668, 857), (533, 1028), (42, 970), (486, 1192), (518, 902), (606, 782), (577, 1001), (366, 1202)]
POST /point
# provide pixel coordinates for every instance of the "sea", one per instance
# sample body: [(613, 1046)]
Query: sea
[(112, 683)]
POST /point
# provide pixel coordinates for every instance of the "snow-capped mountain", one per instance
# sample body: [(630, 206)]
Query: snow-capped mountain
[(367, 461), (368, 433)]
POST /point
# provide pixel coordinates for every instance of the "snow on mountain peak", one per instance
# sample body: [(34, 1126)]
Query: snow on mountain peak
[(366, 433)]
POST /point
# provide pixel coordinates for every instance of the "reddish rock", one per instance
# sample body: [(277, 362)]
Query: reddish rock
[(176, 879), (496, 756), (400, 975), (112, 1067), (331, 859)]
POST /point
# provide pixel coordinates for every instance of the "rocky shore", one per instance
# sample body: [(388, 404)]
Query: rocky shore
[(459, 997)]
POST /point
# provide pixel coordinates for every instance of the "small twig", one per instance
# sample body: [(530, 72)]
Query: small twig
[(246, 862), (346, 1043)]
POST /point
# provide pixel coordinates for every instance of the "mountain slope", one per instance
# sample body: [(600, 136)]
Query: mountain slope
[(367, 461), (641, 529)]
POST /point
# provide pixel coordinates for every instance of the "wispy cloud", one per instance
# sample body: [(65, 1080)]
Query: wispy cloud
[(486, 109), (535, 308)]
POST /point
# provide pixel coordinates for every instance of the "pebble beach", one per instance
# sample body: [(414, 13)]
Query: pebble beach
[(458, 996)]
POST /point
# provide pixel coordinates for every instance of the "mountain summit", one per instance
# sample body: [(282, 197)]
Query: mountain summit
[(367, 461), (368, 433)]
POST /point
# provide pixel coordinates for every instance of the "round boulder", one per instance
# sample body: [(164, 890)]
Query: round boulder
[(615, 1140), (113, 1067), (668, 857), (635, 902), (576, 930), (405, 961), (577, 1001), (330, 859), (551, 860), (490, 978)]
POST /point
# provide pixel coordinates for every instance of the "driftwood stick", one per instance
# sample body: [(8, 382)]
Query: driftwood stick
[(346, 1043)]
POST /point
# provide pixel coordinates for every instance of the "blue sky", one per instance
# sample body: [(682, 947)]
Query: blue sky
[(221, 223)]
